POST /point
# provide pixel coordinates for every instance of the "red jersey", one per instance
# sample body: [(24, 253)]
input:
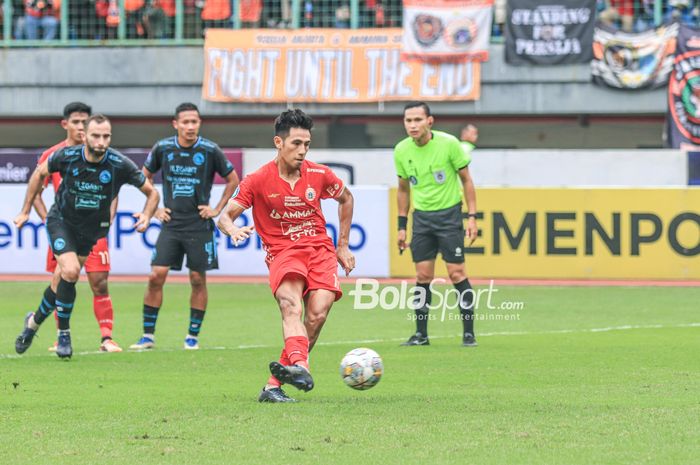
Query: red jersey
[(54, 178), (285, 217)]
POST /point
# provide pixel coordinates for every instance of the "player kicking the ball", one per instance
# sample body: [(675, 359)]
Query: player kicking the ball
[(285, 195)]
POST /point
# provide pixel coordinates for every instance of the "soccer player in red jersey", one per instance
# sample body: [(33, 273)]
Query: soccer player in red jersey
[(285, 195), (97, 265)]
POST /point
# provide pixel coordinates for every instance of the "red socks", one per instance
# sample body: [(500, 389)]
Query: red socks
[(284, 360), (297, 348), (295, 352), (104, 314)]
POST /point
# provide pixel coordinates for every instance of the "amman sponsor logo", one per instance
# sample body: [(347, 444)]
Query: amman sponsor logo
[(291, 215)]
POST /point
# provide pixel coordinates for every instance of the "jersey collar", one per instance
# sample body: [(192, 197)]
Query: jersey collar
[(177, 144)]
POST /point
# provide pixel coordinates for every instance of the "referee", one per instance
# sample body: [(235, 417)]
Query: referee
[(434, 166)]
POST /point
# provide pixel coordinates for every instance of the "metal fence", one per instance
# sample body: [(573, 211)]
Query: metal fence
[(177, 22)]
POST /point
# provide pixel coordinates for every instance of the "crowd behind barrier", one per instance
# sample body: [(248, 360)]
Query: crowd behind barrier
[(108, 20)]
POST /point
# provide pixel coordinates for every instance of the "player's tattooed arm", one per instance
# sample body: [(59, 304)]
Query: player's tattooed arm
[(346, 203), (36, 181), (230, 214)]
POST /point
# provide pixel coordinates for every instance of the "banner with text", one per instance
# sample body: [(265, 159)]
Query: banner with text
[(633, 61), (326, 65), (446, 30), (579, 234), (24, 251), (558, 32), (684, 92)]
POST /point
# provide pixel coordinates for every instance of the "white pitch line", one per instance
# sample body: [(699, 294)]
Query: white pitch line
[(378, 341)]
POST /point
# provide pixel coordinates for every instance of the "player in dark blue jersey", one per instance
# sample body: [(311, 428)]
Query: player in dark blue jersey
[(92, 175), (188, 163)]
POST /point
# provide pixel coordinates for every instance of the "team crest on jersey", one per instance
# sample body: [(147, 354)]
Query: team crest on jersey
[(171, 155), (59, 244), (310, 193), (105, 177), (413, 180), (439, 176), (198, 158), (75, 171)]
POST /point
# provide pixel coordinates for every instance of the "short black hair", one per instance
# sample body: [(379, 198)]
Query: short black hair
[(187, 106), (97, 119), (292, 119), (417, 104), (76, 107)]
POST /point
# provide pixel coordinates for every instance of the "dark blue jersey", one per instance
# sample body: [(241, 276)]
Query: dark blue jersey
[(188, 175), (85, 196)]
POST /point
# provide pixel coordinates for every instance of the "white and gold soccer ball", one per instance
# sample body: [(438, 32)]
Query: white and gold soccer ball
[(361, 368)]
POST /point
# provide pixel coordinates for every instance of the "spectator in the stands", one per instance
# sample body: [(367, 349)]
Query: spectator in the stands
[(216, 14), (134, 18), (342, 16), (499, 17), (168, 7), (250, 12), (40, 15), (618, 12)]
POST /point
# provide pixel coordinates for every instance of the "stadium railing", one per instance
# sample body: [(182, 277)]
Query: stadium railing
[(32, 23)]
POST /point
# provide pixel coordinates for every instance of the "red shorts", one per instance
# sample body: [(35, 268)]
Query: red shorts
[(98, 260), (317, 265)]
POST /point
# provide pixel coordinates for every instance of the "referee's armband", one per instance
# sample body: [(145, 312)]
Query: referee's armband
[(403, 222)]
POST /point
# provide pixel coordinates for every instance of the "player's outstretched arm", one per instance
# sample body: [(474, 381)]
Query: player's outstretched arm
[(33, 188), (346, 203), (143, 219), (470, 198), (230, 214)]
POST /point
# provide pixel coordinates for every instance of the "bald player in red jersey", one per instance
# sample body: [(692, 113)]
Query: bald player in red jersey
[(285, 196), (97, 264)]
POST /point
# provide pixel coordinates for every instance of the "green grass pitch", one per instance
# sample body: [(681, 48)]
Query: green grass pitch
[(578, 375)]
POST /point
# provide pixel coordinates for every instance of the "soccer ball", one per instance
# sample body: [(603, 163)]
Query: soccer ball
[(361, 368)]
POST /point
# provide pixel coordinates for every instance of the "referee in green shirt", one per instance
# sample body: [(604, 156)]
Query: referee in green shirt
[(434, 167)]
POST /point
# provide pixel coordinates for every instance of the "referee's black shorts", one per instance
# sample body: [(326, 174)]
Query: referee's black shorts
[(440, 230)]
